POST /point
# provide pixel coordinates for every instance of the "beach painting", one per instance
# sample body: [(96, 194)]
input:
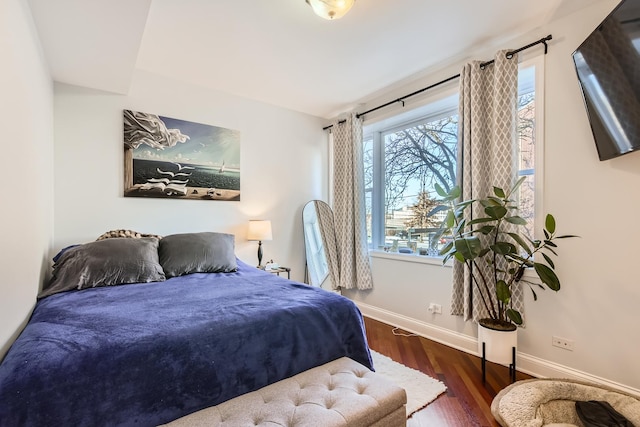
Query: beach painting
[(176, 159)]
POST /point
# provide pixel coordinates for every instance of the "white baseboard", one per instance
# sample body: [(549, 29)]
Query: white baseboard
[(542, 368), (444, 336), (526, 363)]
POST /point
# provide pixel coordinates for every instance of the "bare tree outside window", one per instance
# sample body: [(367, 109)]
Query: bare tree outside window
[(414, 157), (368, 186), (526, 157), (417, 157)]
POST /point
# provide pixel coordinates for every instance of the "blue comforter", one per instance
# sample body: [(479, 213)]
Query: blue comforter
[(148, 353)]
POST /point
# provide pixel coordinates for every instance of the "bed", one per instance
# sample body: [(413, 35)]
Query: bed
[(147, 353)]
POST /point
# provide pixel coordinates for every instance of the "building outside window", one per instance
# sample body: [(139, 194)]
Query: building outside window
[(405, 156)]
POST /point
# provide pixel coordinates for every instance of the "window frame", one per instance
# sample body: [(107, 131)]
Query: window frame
[(432, 108), (539, 176), (445, 104)]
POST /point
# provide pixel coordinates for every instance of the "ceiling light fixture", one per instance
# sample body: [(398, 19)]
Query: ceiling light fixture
[(330, 9)]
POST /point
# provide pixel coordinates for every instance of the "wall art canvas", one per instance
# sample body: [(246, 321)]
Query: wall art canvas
[(177, 159)]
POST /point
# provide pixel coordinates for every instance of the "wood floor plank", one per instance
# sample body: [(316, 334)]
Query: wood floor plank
[(467, 401)]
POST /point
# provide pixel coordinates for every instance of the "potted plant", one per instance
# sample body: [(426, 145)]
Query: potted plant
[(497, 251)]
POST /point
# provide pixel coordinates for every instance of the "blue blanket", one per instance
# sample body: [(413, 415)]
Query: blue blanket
[(148, 353)]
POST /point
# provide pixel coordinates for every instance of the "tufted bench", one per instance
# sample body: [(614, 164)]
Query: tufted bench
[(339, 393)]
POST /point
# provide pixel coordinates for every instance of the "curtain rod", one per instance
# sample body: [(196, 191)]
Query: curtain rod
[(509, 55)]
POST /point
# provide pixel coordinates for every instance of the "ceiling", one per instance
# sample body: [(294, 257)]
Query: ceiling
[(275, 51)]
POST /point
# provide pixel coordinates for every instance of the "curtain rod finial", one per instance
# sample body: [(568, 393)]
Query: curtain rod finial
[(544, 42)]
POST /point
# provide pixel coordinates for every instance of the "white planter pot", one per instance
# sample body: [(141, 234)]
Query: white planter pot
[(498, 344)]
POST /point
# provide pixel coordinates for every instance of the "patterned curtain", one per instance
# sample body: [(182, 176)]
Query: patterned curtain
[(486, 157), (349, 213)]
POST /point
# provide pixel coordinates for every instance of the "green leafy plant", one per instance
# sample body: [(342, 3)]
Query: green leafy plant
[(497, 241)]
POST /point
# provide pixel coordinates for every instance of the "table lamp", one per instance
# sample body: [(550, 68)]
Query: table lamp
[(259, 230)]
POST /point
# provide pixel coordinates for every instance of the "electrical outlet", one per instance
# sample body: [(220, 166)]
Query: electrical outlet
[(435, 308), (562, 343)]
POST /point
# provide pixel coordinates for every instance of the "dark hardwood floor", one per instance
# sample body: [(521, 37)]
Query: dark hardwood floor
[(467, 401)]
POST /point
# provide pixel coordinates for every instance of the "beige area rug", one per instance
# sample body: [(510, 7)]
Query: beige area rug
[(421, 388)]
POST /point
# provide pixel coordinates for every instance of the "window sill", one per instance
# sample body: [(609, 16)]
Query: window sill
[(531, 276), (420, 259), (529, 273)]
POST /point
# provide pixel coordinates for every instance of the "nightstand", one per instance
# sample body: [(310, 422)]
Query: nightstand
[(280, 270)]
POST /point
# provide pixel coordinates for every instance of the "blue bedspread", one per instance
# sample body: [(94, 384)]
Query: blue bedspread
[(148, 353)]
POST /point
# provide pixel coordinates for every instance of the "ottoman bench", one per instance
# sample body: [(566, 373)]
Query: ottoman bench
[(338, 393)]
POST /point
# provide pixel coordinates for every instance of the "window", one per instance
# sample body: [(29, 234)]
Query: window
[(406, 155)]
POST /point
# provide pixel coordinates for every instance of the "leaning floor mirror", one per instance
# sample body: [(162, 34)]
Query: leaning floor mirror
[(320, 245)]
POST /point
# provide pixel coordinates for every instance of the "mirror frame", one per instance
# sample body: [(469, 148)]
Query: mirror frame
[(321, 261)]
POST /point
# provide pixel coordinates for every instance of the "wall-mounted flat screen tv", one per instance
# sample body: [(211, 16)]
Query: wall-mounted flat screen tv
[(608, 67)]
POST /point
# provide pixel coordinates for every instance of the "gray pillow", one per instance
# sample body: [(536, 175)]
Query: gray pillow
[(106, 263), (197, 253)]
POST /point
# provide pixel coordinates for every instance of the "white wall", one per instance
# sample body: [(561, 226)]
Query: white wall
[(597, 306), (283, 162), (26, 213)]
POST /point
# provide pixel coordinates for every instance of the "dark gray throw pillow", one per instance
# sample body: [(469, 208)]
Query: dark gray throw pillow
[(206, 252), (106, 263)]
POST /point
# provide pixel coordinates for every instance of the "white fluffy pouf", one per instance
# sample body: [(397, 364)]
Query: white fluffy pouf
[(551, 402)]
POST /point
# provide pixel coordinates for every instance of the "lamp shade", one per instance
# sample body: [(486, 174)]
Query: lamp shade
[(330, 9), (259, 230)]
